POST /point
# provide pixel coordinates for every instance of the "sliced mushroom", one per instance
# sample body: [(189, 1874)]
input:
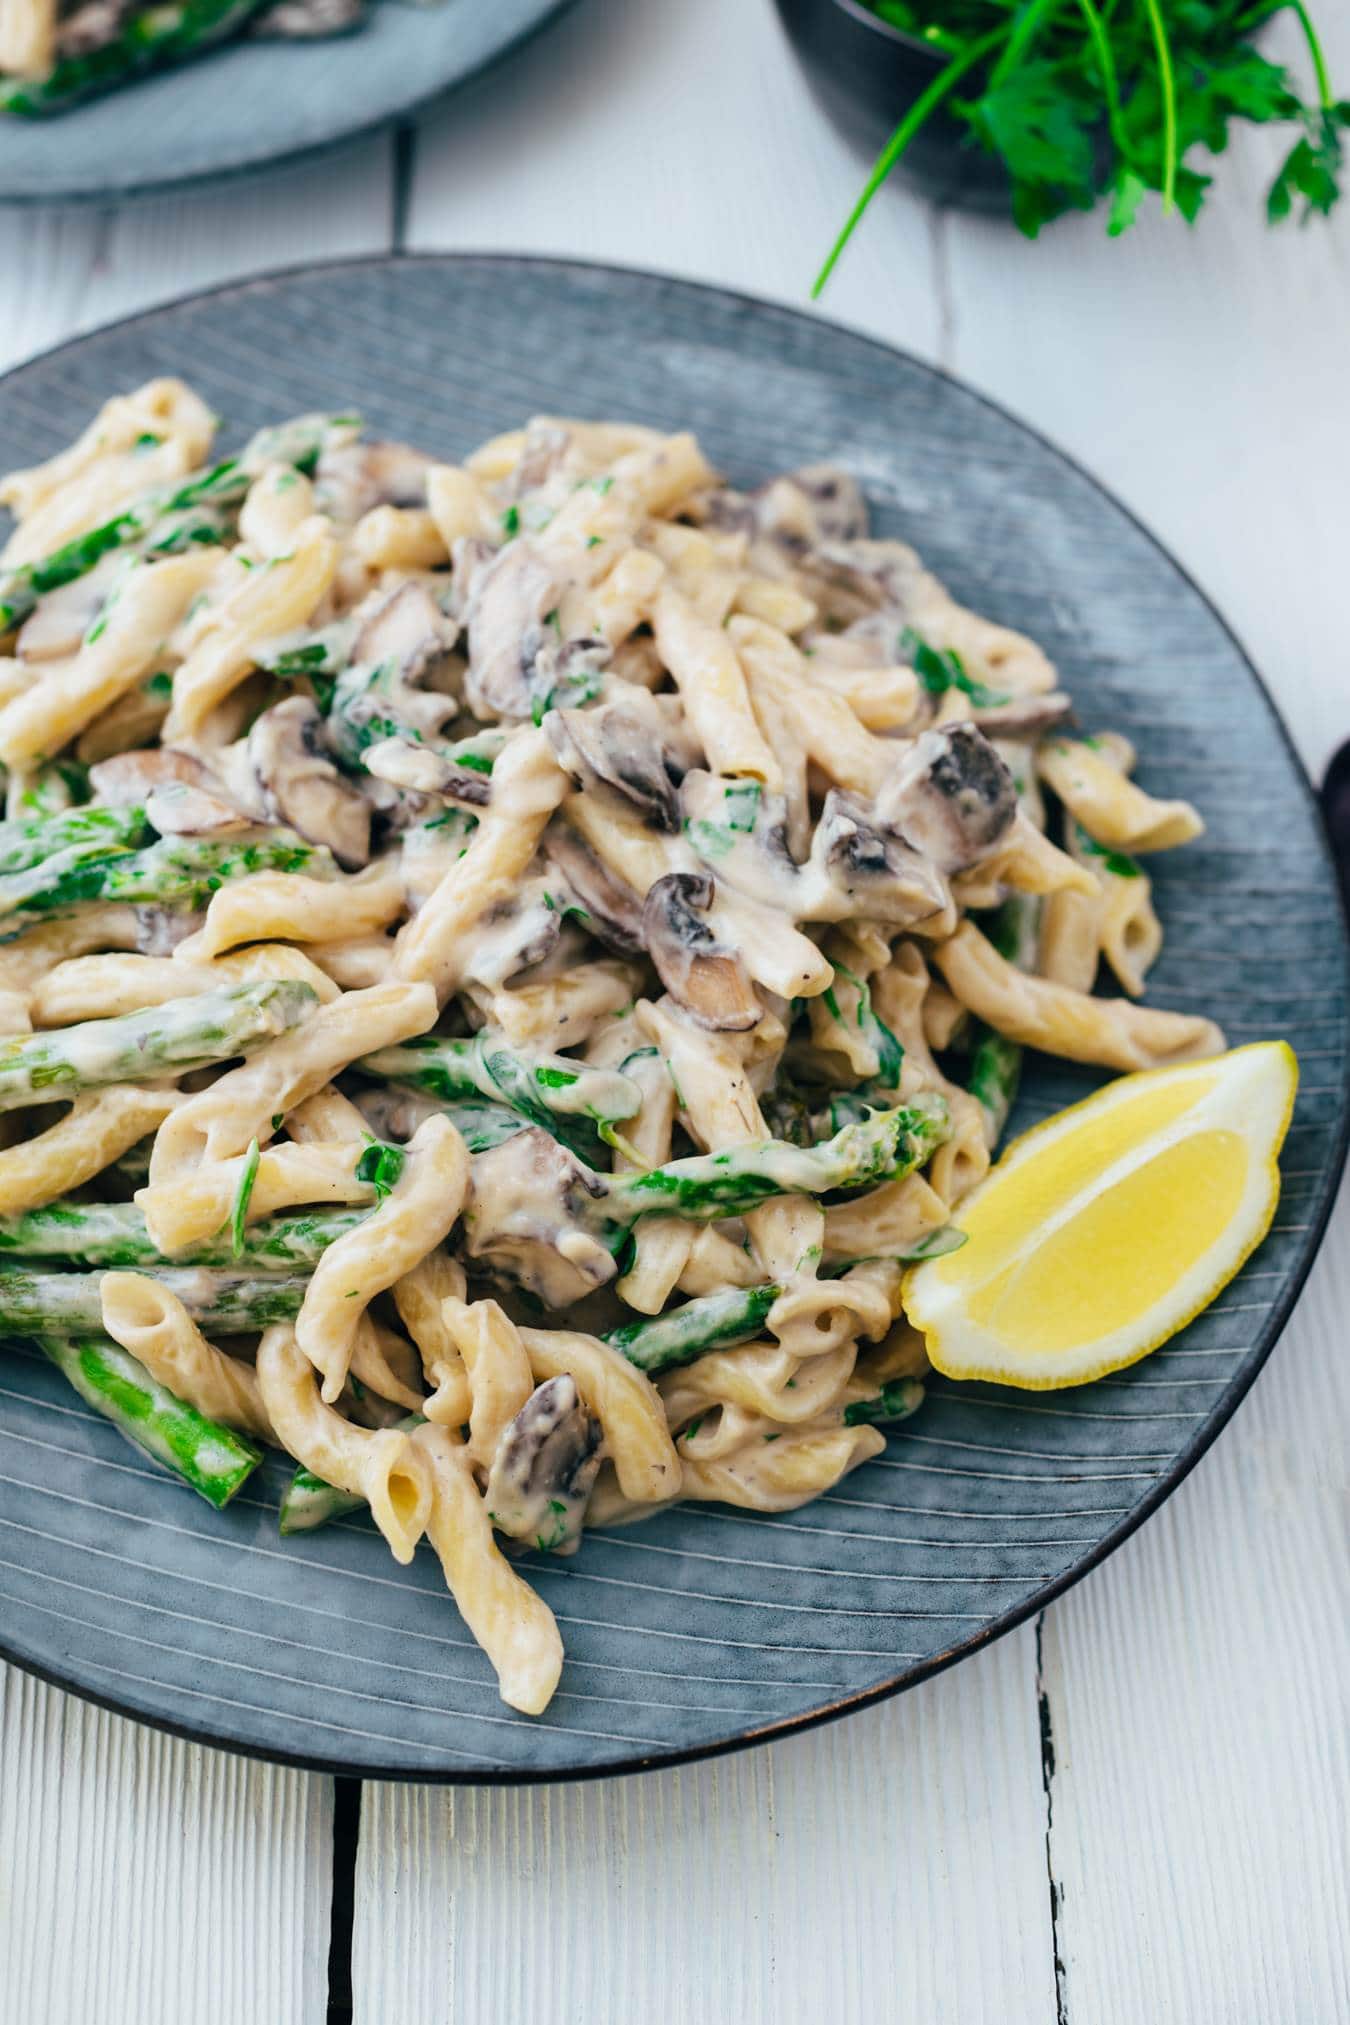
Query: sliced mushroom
[(1024, 716), (613, 909), (302, 787), (393, 1114), (533, 1217), (303, 20), (159, 930), (514, 935), (180, 810), (728, 511), (544, 1467), (564, 672), (508, 598), (616, 748), (129, 778), (544, 448), (700, 973), (87, 29), (181, 796), (406, 631), (801, 510), (353, 478), (874, 872), (851, 579), (950, 797)]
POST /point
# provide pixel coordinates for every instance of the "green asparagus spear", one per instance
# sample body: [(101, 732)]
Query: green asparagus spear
[(175, 872), (994, 1073), (68, 1303), (897, 1399), (114, 1234), (213, 1459), (169, 517), (712, 1185), (533, 1199), (567, 1098), (156, 1041), (710, 1323), (34, 839), (482, 1125), (308, 1501)]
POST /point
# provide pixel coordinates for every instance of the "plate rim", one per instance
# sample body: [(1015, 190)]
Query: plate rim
[(912, 1675), (80, 197)]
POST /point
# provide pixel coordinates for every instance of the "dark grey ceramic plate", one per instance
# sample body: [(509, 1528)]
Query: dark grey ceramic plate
[(707, 1628), (251, 104)]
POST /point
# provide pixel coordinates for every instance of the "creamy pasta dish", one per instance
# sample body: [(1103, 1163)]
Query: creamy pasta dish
[(54, 53), (504, 964)]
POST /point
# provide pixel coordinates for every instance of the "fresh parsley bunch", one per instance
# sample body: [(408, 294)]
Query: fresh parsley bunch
[(1087, 100)]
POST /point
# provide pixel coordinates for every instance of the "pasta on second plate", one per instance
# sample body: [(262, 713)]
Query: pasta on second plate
[(504, 963)]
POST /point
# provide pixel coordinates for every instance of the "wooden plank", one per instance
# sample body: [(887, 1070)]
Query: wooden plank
[(144, 1881), (1194, 1687), (678, 137), (69, 270), (849, 1874), (1197, 1713), (833, 1875)]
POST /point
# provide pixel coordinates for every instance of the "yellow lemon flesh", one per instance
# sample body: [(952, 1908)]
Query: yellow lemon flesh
[(1102, 1232)]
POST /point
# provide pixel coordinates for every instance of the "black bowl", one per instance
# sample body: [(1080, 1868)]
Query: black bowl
[(867, 74)]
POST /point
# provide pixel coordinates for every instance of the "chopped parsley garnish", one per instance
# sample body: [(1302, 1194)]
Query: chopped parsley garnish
[(1118, 862), (381, 1166), (940, 669)]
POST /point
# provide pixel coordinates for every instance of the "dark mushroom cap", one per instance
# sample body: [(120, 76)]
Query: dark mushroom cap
[(616, 748), (508, 596), (950, 796), (613, 909), (302, 785), (545, 1465), (129, 778), (700, 973), (882, 877), (407, 630)]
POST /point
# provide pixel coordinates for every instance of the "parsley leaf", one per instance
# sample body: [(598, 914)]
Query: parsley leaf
[(380, 1165), (940, 669), (1107, 101)]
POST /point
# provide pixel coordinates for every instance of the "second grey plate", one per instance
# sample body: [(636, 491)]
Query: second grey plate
[(707, 1627), (248, 105)]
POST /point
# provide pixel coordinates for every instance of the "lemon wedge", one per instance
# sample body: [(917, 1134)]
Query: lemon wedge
[(1102, 1232)]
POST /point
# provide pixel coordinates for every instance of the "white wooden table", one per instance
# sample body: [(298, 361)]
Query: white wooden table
[(1134, 1810)]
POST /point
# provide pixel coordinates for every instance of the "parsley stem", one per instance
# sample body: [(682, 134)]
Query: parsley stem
[(1020, 37), (1107, 64), (1168, 83), (1319, 62), (926, 103)]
